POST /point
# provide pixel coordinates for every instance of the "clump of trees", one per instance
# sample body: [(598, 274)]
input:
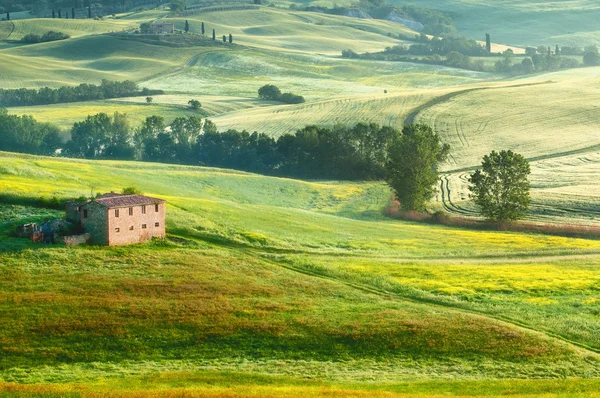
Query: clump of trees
[(195, 104), (83, 92), (501, 188), (33, 38), (24, 134), (178, 5), (412, 165), (271, 92)]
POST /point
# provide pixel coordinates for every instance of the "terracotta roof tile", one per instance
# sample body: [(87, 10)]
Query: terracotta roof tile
[(118, 200)]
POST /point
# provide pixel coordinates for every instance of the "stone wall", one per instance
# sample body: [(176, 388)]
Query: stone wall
[(137, 227), (96, 222), (75, 240)]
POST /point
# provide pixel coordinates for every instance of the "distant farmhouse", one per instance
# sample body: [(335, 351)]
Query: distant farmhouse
[(162, 28), (113, 219)]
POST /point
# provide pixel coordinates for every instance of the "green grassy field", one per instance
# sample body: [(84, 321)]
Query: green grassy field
[(269, 272), (278, 287)]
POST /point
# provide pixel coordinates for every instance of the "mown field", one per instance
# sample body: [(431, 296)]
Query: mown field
[(295, 280)]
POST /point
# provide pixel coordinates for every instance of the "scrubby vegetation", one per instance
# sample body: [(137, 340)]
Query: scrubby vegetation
[(32, 38), (270, 92)]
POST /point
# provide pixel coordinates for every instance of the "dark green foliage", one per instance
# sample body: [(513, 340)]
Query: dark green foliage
[(178, 5), (187, 26), (32, 38), (214, 35), (83, 92), (101, 137), (53, 14), (412, 165), (24, 134), (224, 39), (271, 92), (501, 188), (149, 100), (202, 28), (230, 39), (131, 191), (591, 57), (194, 104), (73, 13), (146, 28), (488, 43)]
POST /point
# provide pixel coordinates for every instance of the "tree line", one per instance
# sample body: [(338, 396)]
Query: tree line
[(448, 51), (339, 152), (32, 38), (408, 160), (83, 92), (457, 52)]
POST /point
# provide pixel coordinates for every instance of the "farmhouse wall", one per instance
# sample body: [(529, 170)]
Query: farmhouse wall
[(96, 222), (137, 227)]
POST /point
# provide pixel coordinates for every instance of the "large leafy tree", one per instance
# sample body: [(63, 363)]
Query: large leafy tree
[(501, 187), (412, 165)]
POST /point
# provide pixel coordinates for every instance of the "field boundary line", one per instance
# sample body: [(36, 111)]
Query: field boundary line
[(384, 293), (12, 29), (412, 116)]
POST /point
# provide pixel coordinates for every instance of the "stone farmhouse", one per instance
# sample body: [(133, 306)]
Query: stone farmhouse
[(113, 219), (162, 28)]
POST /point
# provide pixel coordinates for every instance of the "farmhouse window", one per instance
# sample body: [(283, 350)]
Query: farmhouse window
[(78, 209), (157, 224), (116, 212), (143, 226), (117, 230), (144, 209), (131, 228), (156, 208), (131, 211), (85, 213)]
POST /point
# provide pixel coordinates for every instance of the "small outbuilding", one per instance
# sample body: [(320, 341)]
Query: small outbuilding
[(116, 219)]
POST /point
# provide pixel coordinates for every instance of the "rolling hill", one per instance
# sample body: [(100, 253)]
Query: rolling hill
[(279, 287), (264, 271)]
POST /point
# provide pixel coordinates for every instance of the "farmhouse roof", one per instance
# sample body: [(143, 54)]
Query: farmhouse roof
[(117, 200)]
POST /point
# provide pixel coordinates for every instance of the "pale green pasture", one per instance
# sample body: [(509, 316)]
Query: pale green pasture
[(258, 211), (65, 115), (516, 22)]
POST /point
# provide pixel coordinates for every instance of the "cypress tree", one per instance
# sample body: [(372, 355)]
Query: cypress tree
[(53, 14), (73, 13), (557, 51), (202, 28), (67, 14), (214, 35), (187, 26), (488, 43), (230, 39), (59, 13), (224, 39), (89, 11), (7, 16)]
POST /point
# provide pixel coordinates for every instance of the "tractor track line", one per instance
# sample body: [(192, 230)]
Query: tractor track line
[(412, 116), (391, 295)]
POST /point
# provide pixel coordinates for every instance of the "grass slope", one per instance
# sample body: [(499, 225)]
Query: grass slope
[(547, 22), (286, 278)]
